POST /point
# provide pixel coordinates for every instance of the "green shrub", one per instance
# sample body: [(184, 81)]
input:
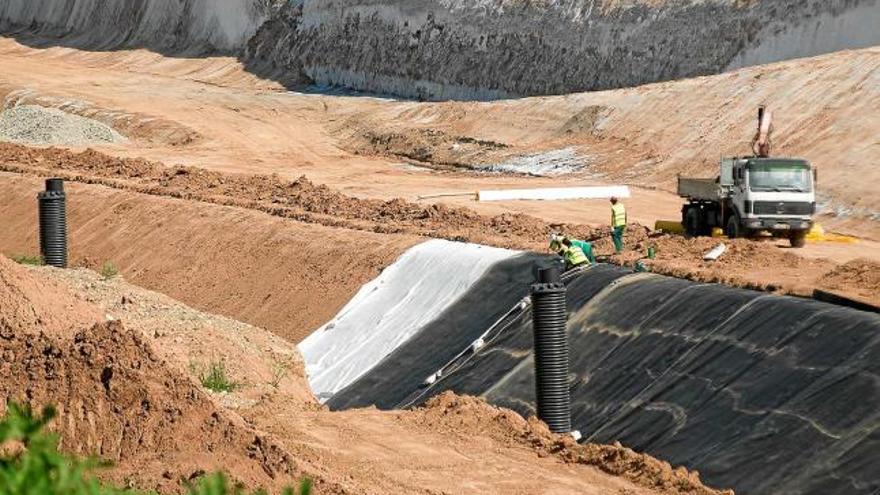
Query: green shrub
[(215, 379), (37, 468), (25, 259), (109, 270)]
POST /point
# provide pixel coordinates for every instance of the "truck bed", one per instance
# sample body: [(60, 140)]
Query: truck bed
[(693, 188)]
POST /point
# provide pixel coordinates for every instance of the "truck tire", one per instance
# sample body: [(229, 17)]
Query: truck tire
[(692, 223), (798, 238), (733, 229)]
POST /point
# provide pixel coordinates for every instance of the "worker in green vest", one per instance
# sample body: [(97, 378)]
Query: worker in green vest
[(572, 254), (618, 224)]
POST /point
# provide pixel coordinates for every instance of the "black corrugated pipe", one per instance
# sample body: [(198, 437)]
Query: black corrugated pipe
[(551, 350), (53, 223)]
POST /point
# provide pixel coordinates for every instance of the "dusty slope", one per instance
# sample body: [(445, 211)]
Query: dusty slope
[(283, 275), (364, 451), (116, 398), (644, 135)]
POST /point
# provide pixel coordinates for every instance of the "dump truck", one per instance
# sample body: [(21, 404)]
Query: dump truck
[(752, 195)]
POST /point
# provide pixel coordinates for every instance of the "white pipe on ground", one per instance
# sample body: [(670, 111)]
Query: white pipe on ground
[(555, 193)]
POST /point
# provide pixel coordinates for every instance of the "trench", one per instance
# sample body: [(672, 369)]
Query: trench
[(761, 393)]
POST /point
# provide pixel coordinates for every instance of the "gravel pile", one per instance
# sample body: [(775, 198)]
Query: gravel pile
[(32, 124)]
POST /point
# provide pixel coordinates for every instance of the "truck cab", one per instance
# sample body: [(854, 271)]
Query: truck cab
[(752, 195), (770, 194)]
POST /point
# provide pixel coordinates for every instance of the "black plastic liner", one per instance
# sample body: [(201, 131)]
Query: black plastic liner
[(403, 371), (761, 393)]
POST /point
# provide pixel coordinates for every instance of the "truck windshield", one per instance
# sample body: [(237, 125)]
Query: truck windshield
[(779, 177)]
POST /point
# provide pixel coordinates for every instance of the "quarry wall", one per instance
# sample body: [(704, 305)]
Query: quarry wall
[(455, 49), (440, 49), (178, 26)]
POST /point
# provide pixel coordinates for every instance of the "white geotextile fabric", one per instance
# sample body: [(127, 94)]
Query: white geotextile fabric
[(390, 309)]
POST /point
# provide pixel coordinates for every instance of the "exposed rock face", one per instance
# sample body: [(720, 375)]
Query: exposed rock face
[(437, 49), (468, 49), (181, 26)]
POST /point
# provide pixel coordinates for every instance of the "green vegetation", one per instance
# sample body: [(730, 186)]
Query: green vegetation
[(30, 464), (215, 378), (109, 270), (25, 259), (279, 371)]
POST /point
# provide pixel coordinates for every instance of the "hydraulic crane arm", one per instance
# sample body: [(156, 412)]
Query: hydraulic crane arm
[(761, 142)]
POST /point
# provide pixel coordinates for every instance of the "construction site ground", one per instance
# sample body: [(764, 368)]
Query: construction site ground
[(271, 208), (158, 426)]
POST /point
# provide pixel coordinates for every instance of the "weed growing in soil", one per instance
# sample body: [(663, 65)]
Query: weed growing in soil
[(30, 464), (109, 270), (215, 378), (24, 259), (279, 371)]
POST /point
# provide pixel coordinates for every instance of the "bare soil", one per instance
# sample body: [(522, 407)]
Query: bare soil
[(289, 277), (362, 145), (116, 398), (762, 265), (859, 278)]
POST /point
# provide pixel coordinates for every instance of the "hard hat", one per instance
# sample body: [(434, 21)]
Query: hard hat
[(555, 242)]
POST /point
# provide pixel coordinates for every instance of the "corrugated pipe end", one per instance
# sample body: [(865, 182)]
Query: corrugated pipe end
[(551, 350), (53, 223)]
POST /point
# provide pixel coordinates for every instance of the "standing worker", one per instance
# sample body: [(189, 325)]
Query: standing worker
[(618, 224)]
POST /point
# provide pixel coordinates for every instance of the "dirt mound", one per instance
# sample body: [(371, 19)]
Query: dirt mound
[(116, 398), (860, 277), (257, 361), (745, 263), (465, 415), (32, 305), (299, 199), (757, 265)]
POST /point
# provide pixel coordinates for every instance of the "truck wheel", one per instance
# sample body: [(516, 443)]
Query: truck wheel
[(798, 239), (692, 223), (733, 230)]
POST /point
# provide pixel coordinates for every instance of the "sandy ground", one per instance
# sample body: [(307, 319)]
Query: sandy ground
[(343, 221), (272, 430), (366, 146), (287, 276)]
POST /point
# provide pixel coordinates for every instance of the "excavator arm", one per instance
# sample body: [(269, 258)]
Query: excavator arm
[(761, 141)]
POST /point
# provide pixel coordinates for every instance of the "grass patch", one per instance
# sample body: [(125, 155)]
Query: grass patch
[(30, 464), (214, 376), (279, 371), (26, 259), (109, 270)]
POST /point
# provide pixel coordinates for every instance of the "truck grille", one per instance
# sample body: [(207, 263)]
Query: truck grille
[(783, 208)]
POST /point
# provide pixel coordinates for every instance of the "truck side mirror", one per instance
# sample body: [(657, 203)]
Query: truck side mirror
[(815, 175)]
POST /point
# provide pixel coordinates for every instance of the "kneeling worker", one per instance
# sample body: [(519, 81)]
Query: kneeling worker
[(585, 246), (572, 254)]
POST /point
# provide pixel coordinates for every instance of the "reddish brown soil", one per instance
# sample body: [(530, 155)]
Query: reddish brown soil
[(754, 264), (300, 199), (288, 277), (859, 278), (759, 265), (115, 398), (464, 416)]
